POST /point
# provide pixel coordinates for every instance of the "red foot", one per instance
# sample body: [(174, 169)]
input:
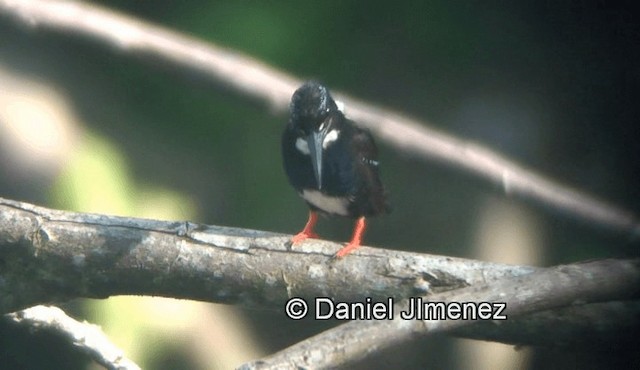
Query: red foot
[(347, 249), (358, 230), (307, 232), (301, 236)]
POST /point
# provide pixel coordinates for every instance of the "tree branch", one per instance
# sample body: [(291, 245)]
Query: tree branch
[(89, 338), (559, 286), (52, 255), (250, 77), (49, 256)]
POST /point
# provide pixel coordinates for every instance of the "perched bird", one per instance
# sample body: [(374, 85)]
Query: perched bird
[(331, 163)]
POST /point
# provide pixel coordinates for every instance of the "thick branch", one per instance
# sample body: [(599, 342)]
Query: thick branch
[(48, 256), (550, 288), (252, 78), (51, 255), (89, 338)]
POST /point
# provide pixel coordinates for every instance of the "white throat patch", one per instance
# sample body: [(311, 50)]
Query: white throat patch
[(303, 146), (329, 204), (330, 138)]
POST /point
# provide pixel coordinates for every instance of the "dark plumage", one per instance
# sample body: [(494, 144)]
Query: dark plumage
[(330, 162)]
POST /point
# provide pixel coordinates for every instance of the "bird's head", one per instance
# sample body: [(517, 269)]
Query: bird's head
[(310, 106), (315, 118)]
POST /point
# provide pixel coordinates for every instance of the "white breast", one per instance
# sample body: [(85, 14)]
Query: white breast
[(329, 204)]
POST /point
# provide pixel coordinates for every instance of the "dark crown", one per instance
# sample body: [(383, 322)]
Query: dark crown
[(311, 101)]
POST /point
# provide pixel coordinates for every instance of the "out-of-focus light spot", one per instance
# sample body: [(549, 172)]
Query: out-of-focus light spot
[(215, 336), (32, 122), (164, 204), (508, 233), (96, 179), (37, 126)]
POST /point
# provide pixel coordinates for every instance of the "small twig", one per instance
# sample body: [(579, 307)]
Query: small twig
[(252, 78), (89, 338), (550, 288)]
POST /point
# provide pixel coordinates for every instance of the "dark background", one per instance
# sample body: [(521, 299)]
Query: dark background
[(552, 85)]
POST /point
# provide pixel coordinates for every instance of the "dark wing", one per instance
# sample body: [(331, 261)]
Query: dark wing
[(374, 197)]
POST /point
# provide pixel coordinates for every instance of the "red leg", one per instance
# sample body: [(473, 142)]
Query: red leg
[(358, 230), (307, 232)]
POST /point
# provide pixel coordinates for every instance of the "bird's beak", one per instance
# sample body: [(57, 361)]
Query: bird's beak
[(315, 148)]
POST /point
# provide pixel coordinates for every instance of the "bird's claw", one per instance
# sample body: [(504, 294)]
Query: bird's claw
[(346, 250), (302, 236)]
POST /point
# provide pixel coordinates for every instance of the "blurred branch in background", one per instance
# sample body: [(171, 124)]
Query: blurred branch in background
[(54, 256), (254, 79), (87, 337)]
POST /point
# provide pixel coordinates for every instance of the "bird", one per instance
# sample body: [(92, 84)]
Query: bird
[(331, 163)]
